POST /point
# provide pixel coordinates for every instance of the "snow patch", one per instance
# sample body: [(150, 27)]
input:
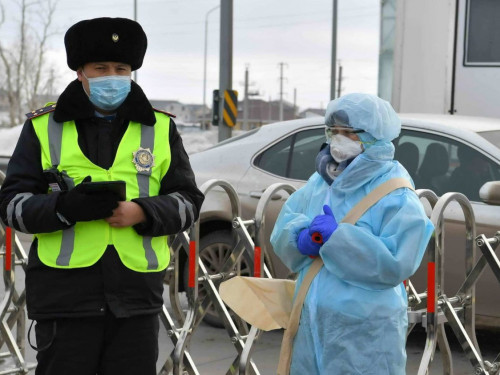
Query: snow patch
[(194, 141), (8, 139)]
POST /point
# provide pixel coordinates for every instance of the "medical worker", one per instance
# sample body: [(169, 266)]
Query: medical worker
[(354, 317)]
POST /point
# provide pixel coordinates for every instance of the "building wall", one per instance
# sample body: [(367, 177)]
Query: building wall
[(430, 73), (423, 55), (477, 88), (386, 56)]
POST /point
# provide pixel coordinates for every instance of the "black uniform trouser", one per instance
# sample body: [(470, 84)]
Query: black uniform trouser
[(98, 345)]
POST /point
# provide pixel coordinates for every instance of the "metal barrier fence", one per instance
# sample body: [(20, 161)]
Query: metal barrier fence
[(12, 306), (431, 308), (440, 308)]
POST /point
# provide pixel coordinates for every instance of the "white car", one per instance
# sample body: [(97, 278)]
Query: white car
[(435, 149)]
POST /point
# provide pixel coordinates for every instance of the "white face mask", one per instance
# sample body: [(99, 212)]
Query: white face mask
[(344, 148)]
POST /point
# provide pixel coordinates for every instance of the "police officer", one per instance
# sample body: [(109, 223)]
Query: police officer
[(95, 272)]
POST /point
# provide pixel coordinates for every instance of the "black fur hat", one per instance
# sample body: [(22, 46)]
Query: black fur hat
[(105, 39)]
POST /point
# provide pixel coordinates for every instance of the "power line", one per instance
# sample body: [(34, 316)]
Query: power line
[(271, 25)]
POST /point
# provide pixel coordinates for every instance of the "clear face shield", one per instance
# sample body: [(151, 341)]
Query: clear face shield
[(340, 130)]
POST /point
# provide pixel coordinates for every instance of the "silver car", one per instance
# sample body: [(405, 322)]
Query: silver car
[(441, 153)]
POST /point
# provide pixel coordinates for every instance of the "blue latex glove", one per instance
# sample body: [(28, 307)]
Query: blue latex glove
[(324, 224), (306, 245)]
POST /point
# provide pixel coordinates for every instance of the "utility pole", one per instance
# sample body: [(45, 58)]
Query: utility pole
[(339, 89), (135, 19), (245, 103), (294, 102), (281, 64), (204, 124), (226, 60), (270, 111), (334, 50), (246, 99)]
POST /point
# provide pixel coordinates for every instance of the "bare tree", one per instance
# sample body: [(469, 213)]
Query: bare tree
[(22, 62)]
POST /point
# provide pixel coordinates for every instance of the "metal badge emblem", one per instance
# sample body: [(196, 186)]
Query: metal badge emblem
[(115, 37), (143, 159)]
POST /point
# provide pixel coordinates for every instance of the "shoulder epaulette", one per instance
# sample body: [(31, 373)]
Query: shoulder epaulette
[(165, 112), (48, 108)]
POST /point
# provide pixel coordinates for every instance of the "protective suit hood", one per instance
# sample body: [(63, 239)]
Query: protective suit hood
[(364, 111)]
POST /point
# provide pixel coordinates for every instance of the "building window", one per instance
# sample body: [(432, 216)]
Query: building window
[(482, 34)]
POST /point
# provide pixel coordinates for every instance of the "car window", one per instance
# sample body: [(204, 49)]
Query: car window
[(294, 156), (275, 158), (443, 164), (305, 148)]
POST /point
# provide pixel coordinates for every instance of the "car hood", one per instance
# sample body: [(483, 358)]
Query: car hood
[(229, 161)]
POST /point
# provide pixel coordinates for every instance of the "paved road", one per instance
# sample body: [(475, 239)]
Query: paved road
[(213, 352)]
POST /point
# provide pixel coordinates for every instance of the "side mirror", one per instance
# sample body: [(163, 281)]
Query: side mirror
[(490, 193)]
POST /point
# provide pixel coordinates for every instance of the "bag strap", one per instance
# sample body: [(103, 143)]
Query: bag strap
[(293, 323), (351, 218), (373, 197)]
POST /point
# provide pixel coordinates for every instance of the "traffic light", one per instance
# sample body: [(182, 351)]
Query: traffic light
[(215, 108)]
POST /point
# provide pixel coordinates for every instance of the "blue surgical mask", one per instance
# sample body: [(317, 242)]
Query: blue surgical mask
[(108, 92)]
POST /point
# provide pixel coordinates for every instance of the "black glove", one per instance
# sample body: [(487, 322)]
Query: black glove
[(75, 205)]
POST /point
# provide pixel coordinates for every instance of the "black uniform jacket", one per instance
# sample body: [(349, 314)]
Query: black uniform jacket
[(108, 284)]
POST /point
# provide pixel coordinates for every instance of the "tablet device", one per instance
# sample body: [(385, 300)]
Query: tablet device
[(118, 187)]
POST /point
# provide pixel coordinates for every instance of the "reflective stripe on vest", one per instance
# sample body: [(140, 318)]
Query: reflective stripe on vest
[(84, 243)]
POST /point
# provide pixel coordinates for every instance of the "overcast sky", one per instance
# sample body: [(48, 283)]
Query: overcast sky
[(266, 32)]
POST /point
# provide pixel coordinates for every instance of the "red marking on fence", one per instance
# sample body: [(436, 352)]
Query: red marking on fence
[(192, 264), (8, 248), (431, 287), (257, 272)]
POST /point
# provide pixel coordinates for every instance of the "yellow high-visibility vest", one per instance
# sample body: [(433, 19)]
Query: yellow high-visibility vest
[(142, 160)]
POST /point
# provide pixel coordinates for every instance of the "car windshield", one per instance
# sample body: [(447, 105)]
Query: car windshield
[(492, 137), (238, 137)]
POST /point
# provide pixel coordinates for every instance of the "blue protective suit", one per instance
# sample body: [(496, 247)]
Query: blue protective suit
[(354, 318)]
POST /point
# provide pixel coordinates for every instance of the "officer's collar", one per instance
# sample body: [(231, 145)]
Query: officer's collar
[(74, 104)]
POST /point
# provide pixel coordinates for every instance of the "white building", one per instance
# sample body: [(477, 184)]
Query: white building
[(186, 114), (441, 56)]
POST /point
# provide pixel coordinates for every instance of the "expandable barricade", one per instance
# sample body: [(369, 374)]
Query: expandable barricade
[(12, 312), (197, 307), (432, 308), (441, 308), (260, 253)]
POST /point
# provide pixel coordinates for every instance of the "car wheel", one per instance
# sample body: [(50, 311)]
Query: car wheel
[(215, 249)]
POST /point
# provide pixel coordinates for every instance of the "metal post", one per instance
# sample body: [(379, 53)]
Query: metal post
[(295, 103), (270, 111), (334, 50), (226, 60), (204, 121), (339, 88), (281, 91), (245, 102), (135, 19)]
